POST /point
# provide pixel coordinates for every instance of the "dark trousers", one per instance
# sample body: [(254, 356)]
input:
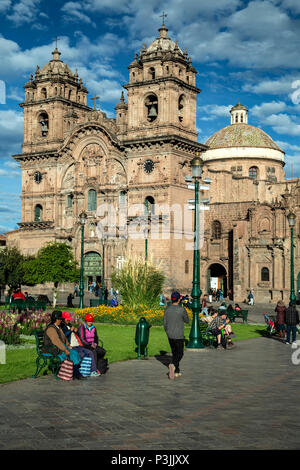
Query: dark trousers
[(291, 329), (177, 347)]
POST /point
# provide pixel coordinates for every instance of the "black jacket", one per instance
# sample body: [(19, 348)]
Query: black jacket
[(291, 316)]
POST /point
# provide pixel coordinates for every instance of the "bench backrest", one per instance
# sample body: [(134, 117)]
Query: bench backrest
[(39, 339)]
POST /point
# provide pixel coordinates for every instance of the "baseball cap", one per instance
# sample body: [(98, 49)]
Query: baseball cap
[(67, 316), (175, 296)]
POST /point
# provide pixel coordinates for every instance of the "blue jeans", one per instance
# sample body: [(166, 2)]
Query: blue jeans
[(290, 328)]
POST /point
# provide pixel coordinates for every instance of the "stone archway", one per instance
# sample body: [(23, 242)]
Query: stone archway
[(217, 277)]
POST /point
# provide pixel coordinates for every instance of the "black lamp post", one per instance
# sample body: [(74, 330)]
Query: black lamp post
[(195, 341), (292, 220), (82, 219)]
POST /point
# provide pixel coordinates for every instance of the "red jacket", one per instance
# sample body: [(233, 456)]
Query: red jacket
[(18, 295)]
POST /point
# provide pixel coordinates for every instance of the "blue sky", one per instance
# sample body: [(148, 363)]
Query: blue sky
[(247, 50)]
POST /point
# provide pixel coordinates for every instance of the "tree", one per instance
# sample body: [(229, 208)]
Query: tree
[(54, 263), (12, 267)]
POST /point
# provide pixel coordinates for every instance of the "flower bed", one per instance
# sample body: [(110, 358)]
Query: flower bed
[(124, 316), (13, 325)]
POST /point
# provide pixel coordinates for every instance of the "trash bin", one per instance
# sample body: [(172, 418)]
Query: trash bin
[(142, 336)]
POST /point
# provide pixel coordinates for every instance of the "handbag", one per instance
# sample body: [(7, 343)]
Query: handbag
[(66, 370), (85, 366)]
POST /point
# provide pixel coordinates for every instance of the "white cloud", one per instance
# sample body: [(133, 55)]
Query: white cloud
[(4, 5), (11, 132), (288, 146), (266, 109), (73, 11), (283, 124), (24, 11), (214, 111)]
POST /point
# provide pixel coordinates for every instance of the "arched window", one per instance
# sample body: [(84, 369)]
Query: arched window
[(92, 200), (152, 73), (149, 205), (122, 198), (186, 266), (38, 213), (70, 200), (253, 172), (181, 103), (216, 230), (265, 274), (151, 104), (44, 123), (43, 93)]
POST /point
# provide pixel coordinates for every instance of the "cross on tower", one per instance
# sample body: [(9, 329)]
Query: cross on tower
[(56, 40), (163, 16), (95, 100)]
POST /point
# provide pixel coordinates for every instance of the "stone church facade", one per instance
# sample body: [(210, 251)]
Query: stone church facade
[(75, 159)]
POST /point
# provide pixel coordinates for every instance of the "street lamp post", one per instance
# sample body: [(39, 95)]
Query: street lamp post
[(82, 219), (195, 341), (103, 270), (292, 220)]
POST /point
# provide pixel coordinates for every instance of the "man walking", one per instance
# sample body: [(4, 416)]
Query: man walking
[(291, 319), (174, 318)]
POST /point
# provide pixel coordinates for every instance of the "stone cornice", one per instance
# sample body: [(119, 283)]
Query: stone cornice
[(55, 98), (172, 139), (35, 156), (162, 80), (36, 225)]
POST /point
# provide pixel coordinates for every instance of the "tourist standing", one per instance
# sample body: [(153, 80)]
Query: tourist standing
[(251, 298), (280, 310), (174, 318), (291, 320)]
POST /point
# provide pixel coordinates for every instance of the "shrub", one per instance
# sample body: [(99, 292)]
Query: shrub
[(139, 283)]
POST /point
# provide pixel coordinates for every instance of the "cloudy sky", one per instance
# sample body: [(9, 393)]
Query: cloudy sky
[(247, 50)]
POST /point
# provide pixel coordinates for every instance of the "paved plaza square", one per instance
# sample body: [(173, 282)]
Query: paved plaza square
[(245, 398)]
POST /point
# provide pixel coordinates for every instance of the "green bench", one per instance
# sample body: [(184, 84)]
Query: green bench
[(44, 359), (241, 314), (96, 302), (208, 338), (26, 305)]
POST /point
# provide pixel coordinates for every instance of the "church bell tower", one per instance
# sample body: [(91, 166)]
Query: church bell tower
[(162, 92)]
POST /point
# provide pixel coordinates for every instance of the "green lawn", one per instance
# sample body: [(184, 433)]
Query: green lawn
[(119, 342)]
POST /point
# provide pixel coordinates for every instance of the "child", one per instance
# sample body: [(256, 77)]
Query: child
[(89, 337)]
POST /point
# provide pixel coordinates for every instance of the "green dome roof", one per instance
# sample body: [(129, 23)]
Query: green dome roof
[(241, 135)]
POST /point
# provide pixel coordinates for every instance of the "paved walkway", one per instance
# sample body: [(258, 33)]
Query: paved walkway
[(246, 398)]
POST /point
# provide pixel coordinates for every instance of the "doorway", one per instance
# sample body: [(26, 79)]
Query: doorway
[(217, 277)]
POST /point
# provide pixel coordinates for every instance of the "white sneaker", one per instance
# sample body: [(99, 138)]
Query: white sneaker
[(287, 342)]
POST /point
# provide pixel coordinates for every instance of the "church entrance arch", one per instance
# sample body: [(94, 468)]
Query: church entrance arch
[(92, 266), (217, 278)]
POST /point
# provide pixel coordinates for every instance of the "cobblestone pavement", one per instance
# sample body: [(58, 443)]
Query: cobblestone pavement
[(246, 398)]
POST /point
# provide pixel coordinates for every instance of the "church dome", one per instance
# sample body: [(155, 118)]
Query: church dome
[(163, 43), (240, 140), (241, 135), (56, 66)]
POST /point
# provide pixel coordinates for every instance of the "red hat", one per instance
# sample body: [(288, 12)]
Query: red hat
[(89, 317), (67, 316)]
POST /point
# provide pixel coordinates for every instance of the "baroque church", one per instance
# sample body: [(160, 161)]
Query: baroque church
[(75, 159)]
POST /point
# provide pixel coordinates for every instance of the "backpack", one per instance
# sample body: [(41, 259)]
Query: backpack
[(102, 365)]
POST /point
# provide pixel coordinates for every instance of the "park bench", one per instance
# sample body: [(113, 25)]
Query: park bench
[(96, 302), (20, 304), (233, 314), (208, 338), (44, 359), (241, 314)]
